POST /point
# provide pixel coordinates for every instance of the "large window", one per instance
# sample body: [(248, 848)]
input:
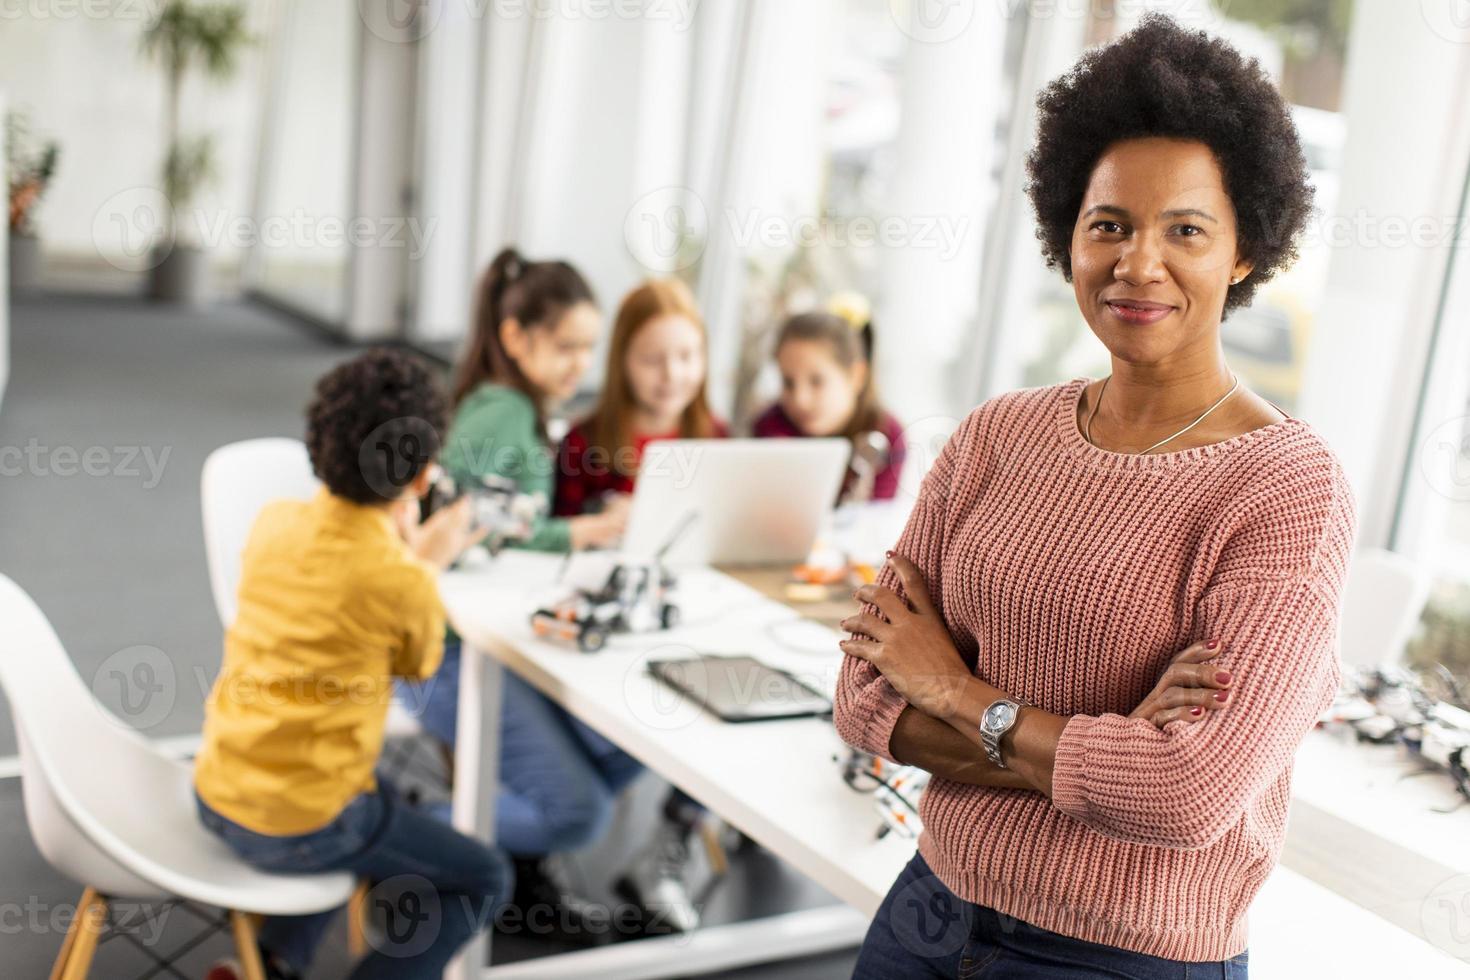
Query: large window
[(1303, 47), (1433, 521), (304, 212), (878, 183)]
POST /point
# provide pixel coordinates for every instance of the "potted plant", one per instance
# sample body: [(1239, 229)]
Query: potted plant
[(30, 171), (185, 35)]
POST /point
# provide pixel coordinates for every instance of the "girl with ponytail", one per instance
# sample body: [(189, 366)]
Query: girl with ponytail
[(536, 324), (827, 389)]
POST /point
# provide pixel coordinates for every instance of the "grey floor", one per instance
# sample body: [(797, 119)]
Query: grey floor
[(116, 560)]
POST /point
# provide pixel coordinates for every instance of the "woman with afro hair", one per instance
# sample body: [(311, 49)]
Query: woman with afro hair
[(1111, 618)]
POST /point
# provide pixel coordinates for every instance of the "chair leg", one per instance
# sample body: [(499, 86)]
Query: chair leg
[(80, 944), (245, 945), (356, 921), (719, 861), (71, 936)]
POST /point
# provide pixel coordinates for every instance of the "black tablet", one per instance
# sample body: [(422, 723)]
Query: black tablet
[(740, 688)]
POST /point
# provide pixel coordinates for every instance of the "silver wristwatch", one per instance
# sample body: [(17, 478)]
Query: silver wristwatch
[(998, 719)]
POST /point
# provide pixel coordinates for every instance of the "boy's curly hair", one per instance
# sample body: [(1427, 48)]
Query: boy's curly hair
[(1160, 79), (375, 423)]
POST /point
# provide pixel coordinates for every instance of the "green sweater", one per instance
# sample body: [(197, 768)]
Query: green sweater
[(494, 433)]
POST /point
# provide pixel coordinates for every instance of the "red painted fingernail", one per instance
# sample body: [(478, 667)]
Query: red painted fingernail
[(1221, 695), (1223, 677), (1211, 644), (887, 554), (1196, 710)]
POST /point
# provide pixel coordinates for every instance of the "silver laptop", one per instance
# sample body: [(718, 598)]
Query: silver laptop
[(734, 501)]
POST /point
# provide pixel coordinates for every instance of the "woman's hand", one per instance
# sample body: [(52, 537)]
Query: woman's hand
[(909, 643), (1189, 689)]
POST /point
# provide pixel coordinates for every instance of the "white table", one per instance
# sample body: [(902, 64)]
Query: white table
[(775, 781)]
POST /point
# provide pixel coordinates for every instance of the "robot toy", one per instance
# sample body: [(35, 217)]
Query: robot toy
[(612, 593)]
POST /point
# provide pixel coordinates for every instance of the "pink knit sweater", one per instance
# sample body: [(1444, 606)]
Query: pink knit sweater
[(1070, 575)]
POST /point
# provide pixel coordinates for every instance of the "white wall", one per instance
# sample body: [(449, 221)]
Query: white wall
[(84, 83)]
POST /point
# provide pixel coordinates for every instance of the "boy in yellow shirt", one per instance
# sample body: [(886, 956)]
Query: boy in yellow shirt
[(338, 595)]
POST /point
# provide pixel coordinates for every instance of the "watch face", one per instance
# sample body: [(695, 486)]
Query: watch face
[(999, 715)]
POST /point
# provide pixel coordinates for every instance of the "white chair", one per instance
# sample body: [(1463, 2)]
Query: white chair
[(239, 479), (116, 815), (1383, 599)]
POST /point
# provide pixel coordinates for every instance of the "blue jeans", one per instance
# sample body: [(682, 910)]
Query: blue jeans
[(436, 886), (558, 778), (923, 929)]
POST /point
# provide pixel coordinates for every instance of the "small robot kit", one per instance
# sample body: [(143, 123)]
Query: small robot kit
[(895, 789), (612, 593), (497, 504)]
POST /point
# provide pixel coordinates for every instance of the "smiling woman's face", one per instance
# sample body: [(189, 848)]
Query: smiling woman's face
[(1154, 249)]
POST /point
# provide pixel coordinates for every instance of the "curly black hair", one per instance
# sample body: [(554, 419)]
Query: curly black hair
[(375, 423), (1160, 79)]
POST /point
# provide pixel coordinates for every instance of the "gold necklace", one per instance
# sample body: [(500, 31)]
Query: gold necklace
[(1098, 404)]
